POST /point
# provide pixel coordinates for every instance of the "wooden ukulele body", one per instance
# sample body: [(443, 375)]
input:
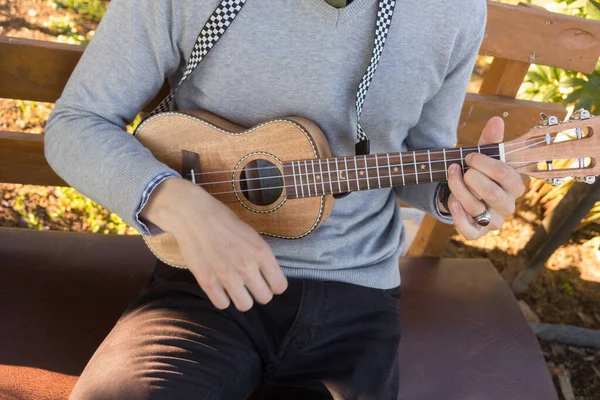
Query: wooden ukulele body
[(216, 150)]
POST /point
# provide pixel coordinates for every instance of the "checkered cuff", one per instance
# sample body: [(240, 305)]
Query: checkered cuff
[(148, 228)]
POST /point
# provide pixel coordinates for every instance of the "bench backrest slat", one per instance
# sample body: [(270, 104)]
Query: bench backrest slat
[(537, 36), (22, 160), (39, 70)]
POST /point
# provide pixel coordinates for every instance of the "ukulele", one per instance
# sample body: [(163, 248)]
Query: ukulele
[(280, 176)]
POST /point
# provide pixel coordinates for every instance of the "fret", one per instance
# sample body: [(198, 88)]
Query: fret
[(321, 172), (337, 170), (312, 163), (389, 169), (300, 176), (377, 169), (479, 149), (415, 162), (367, 172), (462, 160), (430, 167), (491, 151), (347, 177), (307, 179), (402, 170), (294, 174), (445, 163), (356, 173), (329, 174)]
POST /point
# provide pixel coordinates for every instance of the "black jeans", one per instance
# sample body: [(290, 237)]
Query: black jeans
[(315, 339)]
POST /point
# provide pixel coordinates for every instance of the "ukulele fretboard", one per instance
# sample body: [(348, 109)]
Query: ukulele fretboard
[(308, 178)]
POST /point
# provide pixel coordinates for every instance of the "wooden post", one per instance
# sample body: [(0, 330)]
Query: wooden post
[(431, 238), (504, 78)]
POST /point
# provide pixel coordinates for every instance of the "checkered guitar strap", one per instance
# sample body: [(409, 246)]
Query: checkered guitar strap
[(212, 31), (385, 12)]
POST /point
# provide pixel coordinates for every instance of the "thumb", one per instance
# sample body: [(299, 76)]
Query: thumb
[(493, 132)]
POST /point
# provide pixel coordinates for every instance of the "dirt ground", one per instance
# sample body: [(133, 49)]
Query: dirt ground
[(566, 292)]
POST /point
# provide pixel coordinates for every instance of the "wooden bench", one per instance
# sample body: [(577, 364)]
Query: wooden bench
[(464, 336)]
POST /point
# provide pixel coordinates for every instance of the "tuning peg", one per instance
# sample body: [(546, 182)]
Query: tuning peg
[(548, 120), (580, 114), (587, 179), (555, 181)]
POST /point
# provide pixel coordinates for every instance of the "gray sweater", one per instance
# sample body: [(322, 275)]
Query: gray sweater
[(279, 58)]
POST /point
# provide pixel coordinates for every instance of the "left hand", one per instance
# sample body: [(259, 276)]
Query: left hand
[(487, 182)]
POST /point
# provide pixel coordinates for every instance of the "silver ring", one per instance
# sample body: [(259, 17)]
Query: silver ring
[(484, 218)]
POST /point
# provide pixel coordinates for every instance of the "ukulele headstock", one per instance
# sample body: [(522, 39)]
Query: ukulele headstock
[(557, 150)]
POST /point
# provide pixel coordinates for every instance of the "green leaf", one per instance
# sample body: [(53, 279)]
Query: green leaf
[(572, 97), (573, 82), (584, 103), (592, 9), (551, 95), (536, 77)]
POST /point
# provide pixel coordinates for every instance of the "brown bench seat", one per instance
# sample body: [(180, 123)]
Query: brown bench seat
[(60, 294)]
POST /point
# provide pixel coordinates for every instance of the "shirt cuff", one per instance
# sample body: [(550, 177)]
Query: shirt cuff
[(446, 218), (147, 227)]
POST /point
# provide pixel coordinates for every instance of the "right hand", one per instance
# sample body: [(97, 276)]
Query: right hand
[(229, 259)]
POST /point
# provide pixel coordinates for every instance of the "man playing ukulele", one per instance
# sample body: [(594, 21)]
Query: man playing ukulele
[(310, 318)]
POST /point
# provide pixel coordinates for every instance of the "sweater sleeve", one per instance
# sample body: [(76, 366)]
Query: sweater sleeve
[(439, 120), (122, 69)]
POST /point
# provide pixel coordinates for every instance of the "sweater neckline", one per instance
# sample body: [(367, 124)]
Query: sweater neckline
[(336, 16)]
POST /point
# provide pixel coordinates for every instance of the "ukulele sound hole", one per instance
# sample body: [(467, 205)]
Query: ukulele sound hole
[(261, 182)]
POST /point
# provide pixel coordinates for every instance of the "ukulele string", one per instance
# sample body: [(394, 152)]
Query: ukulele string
[(348, 180), (372, 157), (407, 164)]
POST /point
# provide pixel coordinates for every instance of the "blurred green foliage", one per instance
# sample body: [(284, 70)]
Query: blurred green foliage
[(574, 89), (92, 10), (77, 24), (581, 8), (67, 30), (95, 218), (43, 208)]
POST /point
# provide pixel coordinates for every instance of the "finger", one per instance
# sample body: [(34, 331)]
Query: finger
[(258, 288), (205, 277), (506, 176), (469, 203), (489, 191), (270, 269), (496, 221), (213, 289), (234, 285), (462, 222), (465, 225), (493, 132)]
